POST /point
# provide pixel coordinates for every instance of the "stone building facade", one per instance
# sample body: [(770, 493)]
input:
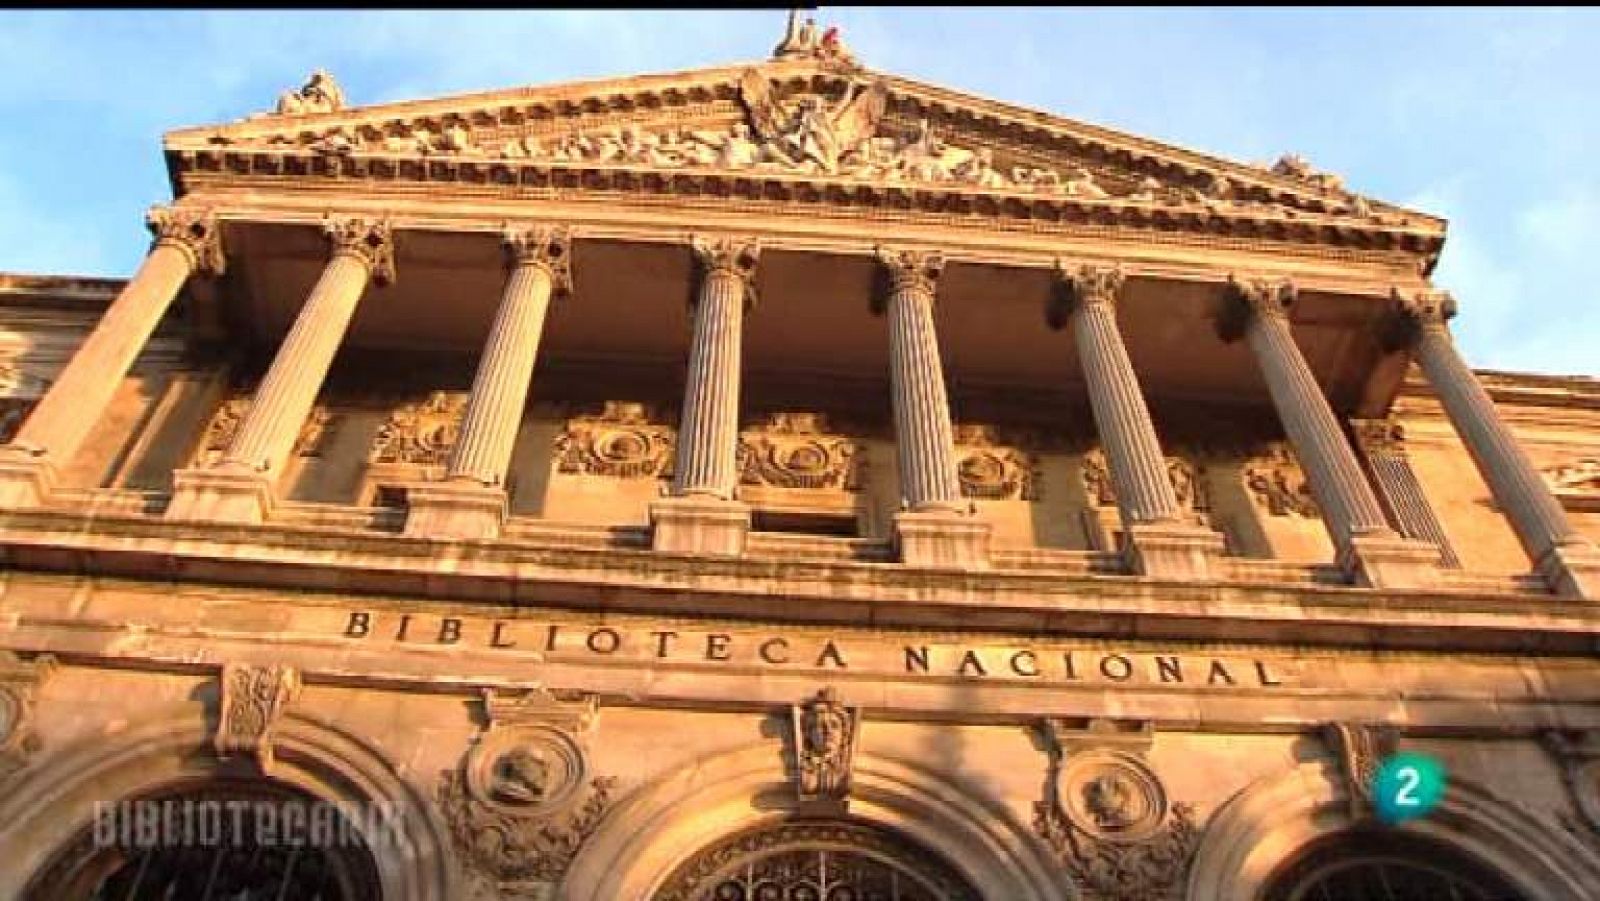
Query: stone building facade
[(774, 481)]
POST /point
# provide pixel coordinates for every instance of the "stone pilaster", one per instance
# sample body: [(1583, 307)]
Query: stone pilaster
[(186, 241), (1368, 549), (1158, 542), (702, 516), (471, 503), (934, 529), (240, 488), (1568, 561)]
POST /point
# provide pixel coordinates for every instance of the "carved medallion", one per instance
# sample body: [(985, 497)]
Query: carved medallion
[(795, 450), (621, 442), (1277, 483), (1360, 749), (522, 802), (1107, 816), (990, 470), (421, 434), (825, 737), (252, 700)]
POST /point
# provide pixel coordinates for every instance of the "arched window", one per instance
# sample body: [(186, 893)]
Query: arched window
[(1372, 865), (223, 840), (815, 860)]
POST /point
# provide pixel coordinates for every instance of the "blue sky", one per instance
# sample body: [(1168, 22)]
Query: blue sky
[(1484, 116)]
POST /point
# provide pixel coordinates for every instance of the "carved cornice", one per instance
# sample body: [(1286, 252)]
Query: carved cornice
[(728, 257), (546, 246), (1083, 283), (911, 271), (369, 240), (193, 231)]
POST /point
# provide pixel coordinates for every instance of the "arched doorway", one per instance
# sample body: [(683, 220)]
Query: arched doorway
[(224, 839), (1372, 865), (815, 860)]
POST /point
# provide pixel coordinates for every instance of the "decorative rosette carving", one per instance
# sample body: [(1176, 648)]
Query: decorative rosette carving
[(194, 231), (621, 443), (421, 434), (369, 240)]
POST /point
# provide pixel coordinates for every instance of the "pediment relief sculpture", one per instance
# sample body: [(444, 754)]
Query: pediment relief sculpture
[(991, 469), (421, 434), (623, 441), (1277, 483), (795, 450)]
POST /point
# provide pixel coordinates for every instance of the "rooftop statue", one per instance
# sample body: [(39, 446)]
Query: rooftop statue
[(320, 94), (800, 41)]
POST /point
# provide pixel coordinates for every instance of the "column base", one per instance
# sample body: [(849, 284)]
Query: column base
[(212, 495), (1169, 550), (694, 525), (25, 480), (1572, 570), (1385, 560), (942, 539), (460, 511)]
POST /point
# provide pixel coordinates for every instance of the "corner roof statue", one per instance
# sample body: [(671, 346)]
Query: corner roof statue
[(800, 40), (320, 94)]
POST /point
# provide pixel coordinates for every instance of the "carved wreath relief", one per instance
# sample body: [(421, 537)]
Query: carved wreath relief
[(522, 802), (621, 442), (421, 434), (991, 470), (795, 450)]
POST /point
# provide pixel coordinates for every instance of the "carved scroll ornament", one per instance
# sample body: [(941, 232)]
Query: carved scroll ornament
[(794, 450), (622, 442)]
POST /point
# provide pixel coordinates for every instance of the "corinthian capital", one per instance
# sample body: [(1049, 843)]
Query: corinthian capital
[(370, 240), (1427, 309), (195, 232), (911, 270), (1263, 297), (546, 246), (728, 257), (1084, 283)]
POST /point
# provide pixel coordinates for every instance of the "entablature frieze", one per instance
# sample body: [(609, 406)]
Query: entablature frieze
[(1372, 276)]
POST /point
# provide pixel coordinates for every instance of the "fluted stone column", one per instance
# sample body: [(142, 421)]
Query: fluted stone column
[(471, 503), (702, 515), (1158, 541), (186, 241), (240, 487), (935, 527), (1371, 551), (1567, 560)]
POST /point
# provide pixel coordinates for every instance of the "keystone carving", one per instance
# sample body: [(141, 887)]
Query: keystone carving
[(1277, 483), (826, 733), (1188, 485), (253, 698), (421, 434), (794, 450), (20, 681), (992, 471), (621, 443), (1107, 817), (195, 232), (522, 801), (1578, 754), (1360, 749), (1576, 477), (369, 240)]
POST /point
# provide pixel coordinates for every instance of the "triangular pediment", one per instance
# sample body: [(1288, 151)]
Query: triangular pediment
[(794, 119)]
